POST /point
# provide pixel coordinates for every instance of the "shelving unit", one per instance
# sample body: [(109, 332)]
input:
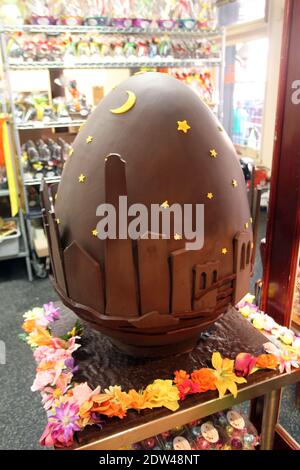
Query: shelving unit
[(115, 64), (4, 192), (10, 66), (49, 125), (59, 29)]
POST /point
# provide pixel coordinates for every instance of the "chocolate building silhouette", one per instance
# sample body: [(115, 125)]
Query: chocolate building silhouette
[(150, 296)]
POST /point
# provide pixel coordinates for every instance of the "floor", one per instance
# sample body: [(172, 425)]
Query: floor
[(22, 418)]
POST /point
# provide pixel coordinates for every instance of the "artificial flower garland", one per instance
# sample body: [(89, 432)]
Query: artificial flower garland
[(71, 406)]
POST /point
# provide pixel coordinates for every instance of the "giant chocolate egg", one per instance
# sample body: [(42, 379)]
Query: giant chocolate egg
[(152, 140)]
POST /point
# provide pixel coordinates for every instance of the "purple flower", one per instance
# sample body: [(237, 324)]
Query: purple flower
[(70, 364), (61, 426), (51, 311), (65, 418)]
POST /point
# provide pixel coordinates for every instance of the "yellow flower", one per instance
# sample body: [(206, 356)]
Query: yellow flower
[(287, 338), (162, 393), (226, 378), (39, 337), (34, 314), (258, 323), (248, 298), (245, 311), (72, 332)]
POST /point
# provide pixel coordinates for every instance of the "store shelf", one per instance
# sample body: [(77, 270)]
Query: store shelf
[(37, 181), (35, 214), (115, 64), (60, 29), (4, 192), (50, 125), (21, 254)]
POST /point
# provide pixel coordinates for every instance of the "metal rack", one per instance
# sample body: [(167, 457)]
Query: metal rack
[(59, 29), (23, 251), (164, 62), (118, 64)]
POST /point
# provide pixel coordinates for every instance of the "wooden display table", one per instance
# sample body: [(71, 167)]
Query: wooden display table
[(101, 364)]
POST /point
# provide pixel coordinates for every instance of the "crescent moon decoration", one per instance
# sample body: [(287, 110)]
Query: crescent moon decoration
[(127, 105)]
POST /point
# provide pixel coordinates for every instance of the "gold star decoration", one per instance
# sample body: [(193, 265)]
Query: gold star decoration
[(89, 139), (234, 183), (81, 178), (165, 205), (95, 232), (57, 220), (183, 126), (82, 126), (213, 153), (246, 225), (71, 152), (224, 251), (210, 196), (177, 237)]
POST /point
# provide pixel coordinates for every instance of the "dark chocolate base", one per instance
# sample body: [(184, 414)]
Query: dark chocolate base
[(101, 363)]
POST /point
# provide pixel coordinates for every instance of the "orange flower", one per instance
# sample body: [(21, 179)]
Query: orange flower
[(29, 326), (46, 365), (266, 361), (85, 414), (180, 376), (104, 405), (137, 399), (205, 378)]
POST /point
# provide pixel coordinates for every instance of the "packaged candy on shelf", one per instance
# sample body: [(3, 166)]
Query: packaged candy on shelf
[(179, 438), (205, 11), (75, 49), (122, 14), (163, 12), (142, 14), (241, 433), (185, 13), (208, 435), (71, 13), (39, 12), (228, 430), (96, 12), (44, 158)]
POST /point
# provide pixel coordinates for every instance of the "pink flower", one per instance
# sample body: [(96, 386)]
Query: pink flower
[(51, 394), (61, 426), (42, 380), (187, 387), (244, 364), (45, 354), (287, 358), (83, 393), (51, 312), (70, 345), (50, 377)]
